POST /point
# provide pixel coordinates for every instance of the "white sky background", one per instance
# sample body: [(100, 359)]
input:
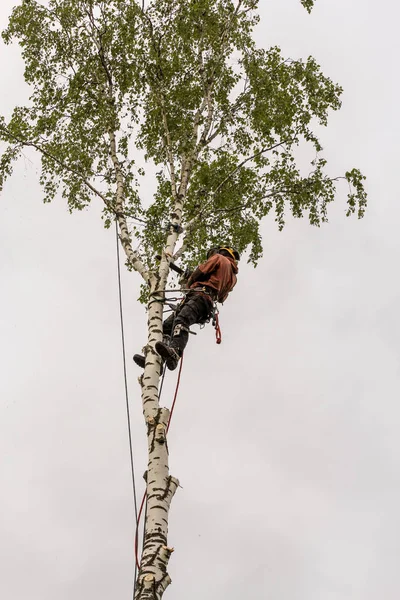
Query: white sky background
[(285, 438)]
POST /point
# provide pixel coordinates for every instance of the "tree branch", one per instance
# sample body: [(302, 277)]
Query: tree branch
[(246, 160), (168, 147), (132, 256), (188, 228), (125, 237), (160, 97), (29, 143), (232, 113)]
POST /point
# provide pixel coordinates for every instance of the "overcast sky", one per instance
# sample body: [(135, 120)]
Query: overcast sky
[(285, 438)]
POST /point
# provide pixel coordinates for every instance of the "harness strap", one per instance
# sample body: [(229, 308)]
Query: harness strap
[(206, 290)]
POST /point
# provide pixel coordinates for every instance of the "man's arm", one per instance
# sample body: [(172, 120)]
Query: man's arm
[(227, 294), (204, 270), (197, 275)]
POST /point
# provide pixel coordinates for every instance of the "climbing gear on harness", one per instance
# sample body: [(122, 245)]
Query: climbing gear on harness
[(206, 290), (214, 317), (170, 355), (218, 332), (171, 291), (178, 330)]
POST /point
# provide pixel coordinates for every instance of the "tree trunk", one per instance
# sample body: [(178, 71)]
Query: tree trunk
[(153, 578)]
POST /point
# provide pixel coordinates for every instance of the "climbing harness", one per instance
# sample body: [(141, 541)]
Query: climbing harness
[(214, 311), (178, 329), (214, 315)]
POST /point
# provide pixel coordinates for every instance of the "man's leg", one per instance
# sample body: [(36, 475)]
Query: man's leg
[(196, 309), (168, 324)]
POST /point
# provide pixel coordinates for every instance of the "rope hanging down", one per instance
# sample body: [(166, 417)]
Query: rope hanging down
[(218, 332), (126, 391)]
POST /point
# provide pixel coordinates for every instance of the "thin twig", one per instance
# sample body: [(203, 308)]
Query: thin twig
[(246, 160)]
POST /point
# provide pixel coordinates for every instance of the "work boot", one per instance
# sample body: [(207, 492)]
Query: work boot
[(141, 361), (167, 353)]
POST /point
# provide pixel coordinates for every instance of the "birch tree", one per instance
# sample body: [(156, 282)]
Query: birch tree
[(182, 84)]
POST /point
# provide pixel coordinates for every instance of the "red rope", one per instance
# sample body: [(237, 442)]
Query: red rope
[(218, 332), (137, 529), (144, 495), (176, 393)]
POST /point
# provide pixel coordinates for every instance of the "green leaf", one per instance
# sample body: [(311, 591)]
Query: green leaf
[(183, 89)]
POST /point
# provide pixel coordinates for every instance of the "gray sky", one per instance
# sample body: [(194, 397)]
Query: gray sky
[(290, 461)]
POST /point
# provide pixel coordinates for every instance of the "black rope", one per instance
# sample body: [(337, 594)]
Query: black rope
[(126, 394), (162, 382)]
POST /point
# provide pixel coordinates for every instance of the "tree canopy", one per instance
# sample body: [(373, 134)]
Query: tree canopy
[(180, 87), (183, 83)]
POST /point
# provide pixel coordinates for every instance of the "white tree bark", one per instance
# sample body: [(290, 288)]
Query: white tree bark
[(153, 577)]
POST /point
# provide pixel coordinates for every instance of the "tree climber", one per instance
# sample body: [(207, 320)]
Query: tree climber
[(210, 282)]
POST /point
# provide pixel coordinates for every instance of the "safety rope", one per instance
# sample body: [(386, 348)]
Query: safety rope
[(178, 382), (137, 531), (218, 332), (168, 425), (126, 392)]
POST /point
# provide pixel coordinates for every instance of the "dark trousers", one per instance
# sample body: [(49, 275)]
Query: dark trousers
[(196, 308)]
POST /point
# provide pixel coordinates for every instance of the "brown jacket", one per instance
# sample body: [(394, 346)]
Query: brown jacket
[(218, 273)]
